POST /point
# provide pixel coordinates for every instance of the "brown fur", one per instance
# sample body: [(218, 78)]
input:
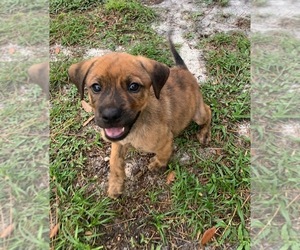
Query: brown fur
[(167, 102), (39, 74)]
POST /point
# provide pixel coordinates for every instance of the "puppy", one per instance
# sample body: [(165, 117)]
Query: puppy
[(141, 103)]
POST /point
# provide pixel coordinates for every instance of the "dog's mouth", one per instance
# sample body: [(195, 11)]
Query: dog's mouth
[(116, 133)]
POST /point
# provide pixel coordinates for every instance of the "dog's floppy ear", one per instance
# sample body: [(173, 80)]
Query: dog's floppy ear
[(158, 73), (78, 73)]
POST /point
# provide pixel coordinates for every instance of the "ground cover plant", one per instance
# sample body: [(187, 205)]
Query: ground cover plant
[(275, 129), (211, 185), (24, 139)]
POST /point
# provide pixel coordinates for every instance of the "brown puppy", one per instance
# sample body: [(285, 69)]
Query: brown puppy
[(141, 103)]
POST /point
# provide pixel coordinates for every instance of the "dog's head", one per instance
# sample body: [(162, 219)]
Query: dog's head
[(119, 87)]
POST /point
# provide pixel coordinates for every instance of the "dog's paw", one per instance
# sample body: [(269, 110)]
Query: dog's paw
[(156, 165), (204, 137), (115, 188), (114, 191)]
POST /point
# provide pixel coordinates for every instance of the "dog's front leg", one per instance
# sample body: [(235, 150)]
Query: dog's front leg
[(117, 170), (163, 154)]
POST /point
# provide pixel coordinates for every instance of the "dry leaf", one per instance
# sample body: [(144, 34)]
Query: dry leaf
[(87, 107), (171, 177), (208, 234), (7, 231), (218, 151), (11, 51), (57, 50), (54, 230), (88, 121)]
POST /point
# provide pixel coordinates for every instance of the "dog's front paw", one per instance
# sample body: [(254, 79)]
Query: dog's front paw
[(204, 136), (114, 191), (115, 187), (156, 165)]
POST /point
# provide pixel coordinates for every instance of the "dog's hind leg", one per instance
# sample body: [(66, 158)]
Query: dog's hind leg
[(117, 170), (203, 119)]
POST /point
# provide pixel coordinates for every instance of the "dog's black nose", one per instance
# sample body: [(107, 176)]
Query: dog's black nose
[(111, 115)]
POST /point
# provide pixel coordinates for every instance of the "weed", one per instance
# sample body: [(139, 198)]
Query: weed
[(58, 6), (228, 64), (31, 28), (111, 24)]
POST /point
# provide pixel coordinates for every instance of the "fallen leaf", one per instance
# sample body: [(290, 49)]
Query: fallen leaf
[(88, 121), (208, 234), (7, 231), (11, 51), (87, 107), (218, 151), (57, 50), (171, 177), (54, 230)]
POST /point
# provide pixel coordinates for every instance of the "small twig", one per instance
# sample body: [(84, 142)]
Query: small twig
[(88, 120), (274, 215), (269, 222), (234, 212), (293, 200)]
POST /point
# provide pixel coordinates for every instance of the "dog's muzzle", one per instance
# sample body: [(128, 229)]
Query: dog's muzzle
[(115, 123)]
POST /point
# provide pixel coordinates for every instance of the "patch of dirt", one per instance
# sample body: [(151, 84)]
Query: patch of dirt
[(291, 129), (244, 129), (57, 51), (280, 15), (243, 23), (14, 52), (190, 21)]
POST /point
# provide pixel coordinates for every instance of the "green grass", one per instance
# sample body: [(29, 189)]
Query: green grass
[(277, 68), (56, 6), (24, 23), (9, 7), (24, 160), (228, 65), (24, 139), (210, 189), (275, 168), (111, 24)]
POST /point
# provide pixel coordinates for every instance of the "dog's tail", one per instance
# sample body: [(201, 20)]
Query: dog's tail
[(178, 60)]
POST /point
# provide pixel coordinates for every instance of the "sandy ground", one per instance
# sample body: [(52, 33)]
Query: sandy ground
[(180, 17)]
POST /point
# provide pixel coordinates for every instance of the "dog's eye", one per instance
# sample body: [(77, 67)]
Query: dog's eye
[(134, 87), (96, 88)]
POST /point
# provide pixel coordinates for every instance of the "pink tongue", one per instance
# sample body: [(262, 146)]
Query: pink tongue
[(114, 132)]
